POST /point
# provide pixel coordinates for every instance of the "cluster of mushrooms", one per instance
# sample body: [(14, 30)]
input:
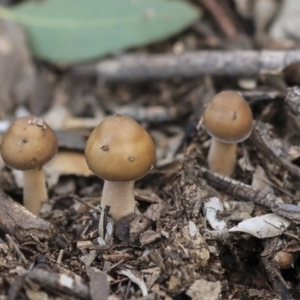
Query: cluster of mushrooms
[(120, 151)]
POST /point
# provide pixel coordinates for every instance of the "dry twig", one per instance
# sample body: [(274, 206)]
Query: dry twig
[(276, 279), (272, 147), (59, 283), (137, 67), (245, 192), (17, 221), (17, 249), (220, 17)]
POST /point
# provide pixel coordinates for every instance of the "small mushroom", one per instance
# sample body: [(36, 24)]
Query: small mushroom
[(228, 120), (119, 151), (284, 260), (28, 145)]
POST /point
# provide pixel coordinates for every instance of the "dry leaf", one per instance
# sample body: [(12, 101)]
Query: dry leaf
[(69, 162), (262, 227)]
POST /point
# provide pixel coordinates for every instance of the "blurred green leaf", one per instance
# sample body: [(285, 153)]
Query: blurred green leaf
[(72, 31)]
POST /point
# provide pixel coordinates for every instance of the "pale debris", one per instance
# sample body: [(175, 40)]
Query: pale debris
[(66, 281), (262, 227), (88, 259), (287, 23), (260, 181), (36, 295), (211, 209), (135, 277), (193, 230), (203, 289)]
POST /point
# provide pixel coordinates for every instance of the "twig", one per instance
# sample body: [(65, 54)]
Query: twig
[(91, 206), (15, 288), (257, 95), (102, 221), (60, 256), (127, 290), (238, 189), (275, 277), (219, 235), (153, 114), (272, 147), (245, 192), (16, 247), (59, 283), (18, 222), (220, 17), (138, 67)]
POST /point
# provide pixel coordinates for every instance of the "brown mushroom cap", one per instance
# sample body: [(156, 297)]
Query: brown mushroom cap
[(28, 144), (119, 149), (228, 117)]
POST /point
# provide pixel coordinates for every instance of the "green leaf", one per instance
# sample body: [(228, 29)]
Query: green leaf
[(72, 31)]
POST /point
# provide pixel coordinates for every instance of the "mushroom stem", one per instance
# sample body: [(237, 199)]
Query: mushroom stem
[(119, 196), (35, 191), (222, 157)]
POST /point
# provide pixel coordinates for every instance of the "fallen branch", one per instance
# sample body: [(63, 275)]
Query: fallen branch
[(137, 67), (17, 221), (59, 283), (245, 192)]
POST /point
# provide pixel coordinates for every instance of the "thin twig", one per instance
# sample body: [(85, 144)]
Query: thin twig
[(17, 249), (138, 67), (59, 283), (245, 192), (220, 17), (278, 188), (60, 256), (91, 206)]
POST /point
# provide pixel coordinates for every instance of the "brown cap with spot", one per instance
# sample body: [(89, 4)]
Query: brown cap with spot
[(228, 117), (119, 149), (28, 144)]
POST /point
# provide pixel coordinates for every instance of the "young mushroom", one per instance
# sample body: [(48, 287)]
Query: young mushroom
[(119, 151), (228, 120), (29, 144)]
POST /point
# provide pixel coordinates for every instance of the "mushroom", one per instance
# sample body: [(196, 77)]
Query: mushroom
[(284, 260), (228, 120), (119, 151), (29, 144)]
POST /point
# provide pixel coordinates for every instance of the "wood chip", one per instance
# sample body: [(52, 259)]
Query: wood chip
[(99, 286)]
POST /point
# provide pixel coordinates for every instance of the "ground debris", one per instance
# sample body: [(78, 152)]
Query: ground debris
[(20, 223), (99, 286), (275, 148), (203, 289)]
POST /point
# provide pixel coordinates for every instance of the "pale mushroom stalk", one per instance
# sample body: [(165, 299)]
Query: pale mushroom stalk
[(35, 191), (119, 197), (222, 157)]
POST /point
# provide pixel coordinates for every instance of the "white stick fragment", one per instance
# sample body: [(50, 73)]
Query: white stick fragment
[(136, 279)]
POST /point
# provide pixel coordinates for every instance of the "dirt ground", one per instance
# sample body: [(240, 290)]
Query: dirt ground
[(173, 248)]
